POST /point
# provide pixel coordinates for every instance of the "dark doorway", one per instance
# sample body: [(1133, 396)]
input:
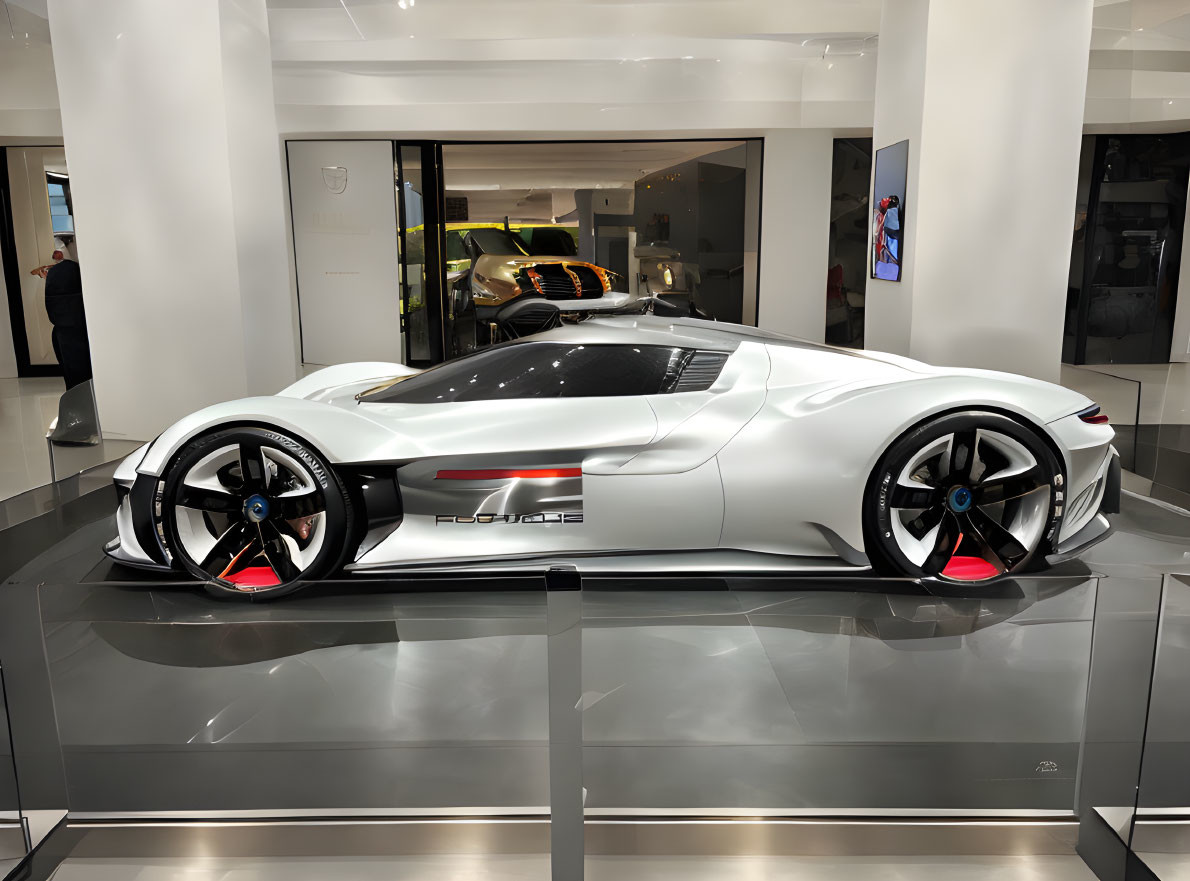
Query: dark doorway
[(1127, 249)]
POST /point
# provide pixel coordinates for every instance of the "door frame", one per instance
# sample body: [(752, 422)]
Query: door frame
[(12, 278), (434, 205)]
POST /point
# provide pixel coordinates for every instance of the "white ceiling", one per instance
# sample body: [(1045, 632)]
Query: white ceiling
[(571, 66), (484, 69), (1139, 74)]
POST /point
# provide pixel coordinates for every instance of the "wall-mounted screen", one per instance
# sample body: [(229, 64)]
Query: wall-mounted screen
[(888, 210)]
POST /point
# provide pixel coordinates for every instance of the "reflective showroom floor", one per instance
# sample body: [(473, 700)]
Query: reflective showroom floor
[(698, 697), (27, 407)]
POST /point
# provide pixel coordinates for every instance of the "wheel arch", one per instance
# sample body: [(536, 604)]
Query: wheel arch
[(340, 436), (372, 486), (1019, 416)]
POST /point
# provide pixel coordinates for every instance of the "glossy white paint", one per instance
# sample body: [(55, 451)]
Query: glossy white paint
[(772, 459)]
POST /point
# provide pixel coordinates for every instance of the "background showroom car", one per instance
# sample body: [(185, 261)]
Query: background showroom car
[(625, 443)]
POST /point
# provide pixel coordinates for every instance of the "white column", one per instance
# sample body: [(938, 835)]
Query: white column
[(795, 231), (176, 175), (8, 355), (993, 114)]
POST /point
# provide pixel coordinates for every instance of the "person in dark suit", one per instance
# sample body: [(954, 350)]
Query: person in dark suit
[(64, 304)]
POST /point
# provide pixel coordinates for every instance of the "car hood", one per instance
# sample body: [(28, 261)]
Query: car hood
[(340, 384)]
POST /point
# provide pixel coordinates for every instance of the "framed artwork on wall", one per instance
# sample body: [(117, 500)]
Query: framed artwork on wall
[(888, 209)]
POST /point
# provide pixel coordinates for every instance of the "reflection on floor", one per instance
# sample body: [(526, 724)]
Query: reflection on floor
[(1167, 866), (496, 867), (27, 407)]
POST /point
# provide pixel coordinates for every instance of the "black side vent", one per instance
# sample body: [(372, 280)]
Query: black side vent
[(701, 372)]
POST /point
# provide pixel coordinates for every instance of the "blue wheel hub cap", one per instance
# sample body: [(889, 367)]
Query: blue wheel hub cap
[(959, 499), (256, 508)]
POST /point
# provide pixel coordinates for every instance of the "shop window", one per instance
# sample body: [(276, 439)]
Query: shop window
[(846, 277), (672, 225), (1127, 247)]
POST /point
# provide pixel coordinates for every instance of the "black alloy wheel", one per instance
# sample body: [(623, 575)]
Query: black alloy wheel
[(965, 497), (251, 512)]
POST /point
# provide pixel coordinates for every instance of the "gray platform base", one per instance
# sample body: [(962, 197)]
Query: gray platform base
[(400, 836)]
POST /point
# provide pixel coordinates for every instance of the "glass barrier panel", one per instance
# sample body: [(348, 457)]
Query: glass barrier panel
[(1161, 828), (787, 696), (347, 697), (12, 836), (1167, 411), (1120, 398)]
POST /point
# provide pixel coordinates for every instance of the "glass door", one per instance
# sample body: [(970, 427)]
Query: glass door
[(1127, 249)]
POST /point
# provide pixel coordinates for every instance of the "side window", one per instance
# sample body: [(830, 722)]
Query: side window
[(544, 370)]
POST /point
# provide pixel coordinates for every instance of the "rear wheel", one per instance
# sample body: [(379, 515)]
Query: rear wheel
[(966, 497), (251, 512)]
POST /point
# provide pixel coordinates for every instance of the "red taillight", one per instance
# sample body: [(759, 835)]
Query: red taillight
[(1093, 416)]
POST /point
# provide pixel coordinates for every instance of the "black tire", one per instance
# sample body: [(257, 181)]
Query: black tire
[(220, 506), (980, 502)]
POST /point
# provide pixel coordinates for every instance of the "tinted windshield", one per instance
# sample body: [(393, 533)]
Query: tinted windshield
[(498, 241), (542, 370), (549, 241)]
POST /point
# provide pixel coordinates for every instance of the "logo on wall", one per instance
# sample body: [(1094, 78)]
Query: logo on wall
[(335, 178)]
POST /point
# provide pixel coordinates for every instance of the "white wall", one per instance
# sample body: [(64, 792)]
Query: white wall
[(148, 104), (795, 232), (346, 247), (28, 94)]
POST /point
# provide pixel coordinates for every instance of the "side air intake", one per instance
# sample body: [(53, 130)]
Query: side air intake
[(701, 372)]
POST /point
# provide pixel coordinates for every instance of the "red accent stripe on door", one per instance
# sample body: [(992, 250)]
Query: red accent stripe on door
[(505, 473)]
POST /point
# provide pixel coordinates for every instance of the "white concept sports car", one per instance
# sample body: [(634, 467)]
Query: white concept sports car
[(630, 444)]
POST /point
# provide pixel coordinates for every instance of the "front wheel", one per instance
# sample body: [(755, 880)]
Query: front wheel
[(251, 512), (965, 497)]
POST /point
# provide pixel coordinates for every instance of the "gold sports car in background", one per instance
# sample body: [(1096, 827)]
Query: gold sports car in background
[(503, 264)]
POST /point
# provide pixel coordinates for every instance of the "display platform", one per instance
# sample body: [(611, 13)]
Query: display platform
[(779, 696)]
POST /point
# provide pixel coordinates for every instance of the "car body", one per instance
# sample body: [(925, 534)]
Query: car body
[(643, 444)]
